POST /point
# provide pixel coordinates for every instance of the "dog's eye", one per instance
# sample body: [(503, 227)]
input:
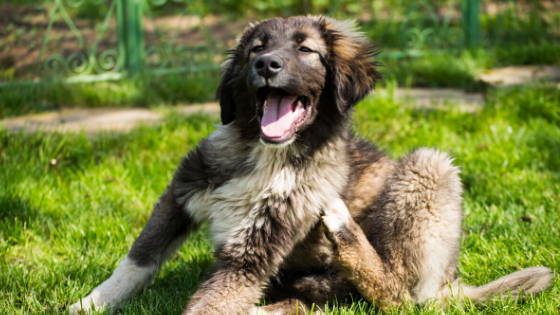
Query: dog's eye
[(305, 49), (257, 49)]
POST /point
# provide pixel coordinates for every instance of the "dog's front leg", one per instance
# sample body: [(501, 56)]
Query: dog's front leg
[(359, 261), (247, 261), (167, 228)]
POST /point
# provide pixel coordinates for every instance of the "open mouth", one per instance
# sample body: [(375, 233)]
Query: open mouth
[(283, 114)]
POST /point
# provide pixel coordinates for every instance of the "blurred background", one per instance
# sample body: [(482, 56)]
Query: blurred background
[(99, 53)]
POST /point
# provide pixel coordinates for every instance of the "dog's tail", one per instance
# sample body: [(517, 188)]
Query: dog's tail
[(526, 281)]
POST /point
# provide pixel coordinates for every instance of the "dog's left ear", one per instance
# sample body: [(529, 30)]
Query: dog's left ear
[(351, 66)]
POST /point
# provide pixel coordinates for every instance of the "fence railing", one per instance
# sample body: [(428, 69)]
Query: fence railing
[(124, 41), (471, 22), (73, 51), (85, 56)]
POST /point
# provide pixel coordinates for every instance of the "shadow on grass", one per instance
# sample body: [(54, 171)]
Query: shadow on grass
[(57, 152), (141, 91), (550, 146), (17, 215)]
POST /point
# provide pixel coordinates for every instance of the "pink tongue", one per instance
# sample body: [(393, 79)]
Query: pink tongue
[(278, 116)]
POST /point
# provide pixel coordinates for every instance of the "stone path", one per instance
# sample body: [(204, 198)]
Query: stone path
[(516, 75), (93, 121), (438, 98)]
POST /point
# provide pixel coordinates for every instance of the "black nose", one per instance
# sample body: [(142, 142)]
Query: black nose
[(268, 66)]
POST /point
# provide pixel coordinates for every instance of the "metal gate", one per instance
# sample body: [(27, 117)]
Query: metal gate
[(91, 40)]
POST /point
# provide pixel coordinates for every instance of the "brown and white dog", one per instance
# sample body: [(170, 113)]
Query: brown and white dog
[(300, 210)]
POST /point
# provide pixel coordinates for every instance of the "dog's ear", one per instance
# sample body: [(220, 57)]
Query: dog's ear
[(352, 70), (224, 94), (229, 82)]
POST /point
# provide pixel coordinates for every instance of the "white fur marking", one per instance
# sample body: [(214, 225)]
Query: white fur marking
[(125, 280), (336, 216), (277, 145)]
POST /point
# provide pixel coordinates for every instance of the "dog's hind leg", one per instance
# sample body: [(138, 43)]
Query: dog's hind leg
[(415, 225), (358, 260), (423, 198), (164, 232)]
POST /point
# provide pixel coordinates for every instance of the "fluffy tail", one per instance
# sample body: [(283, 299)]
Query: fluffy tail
[(526, 281)]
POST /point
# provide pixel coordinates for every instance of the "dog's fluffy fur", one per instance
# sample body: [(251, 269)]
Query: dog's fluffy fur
[(310, 212)]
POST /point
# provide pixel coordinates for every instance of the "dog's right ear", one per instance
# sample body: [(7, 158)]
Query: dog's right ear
[(225, 91), (229, 84)]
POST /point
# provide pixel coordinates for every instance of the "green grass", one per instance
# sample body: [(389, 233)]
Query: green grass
[(70, 206), (461, 68), (141, 91)]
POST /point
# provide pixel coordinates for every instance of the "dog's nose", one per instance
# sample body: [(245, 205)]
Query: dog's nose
[(268, 66)]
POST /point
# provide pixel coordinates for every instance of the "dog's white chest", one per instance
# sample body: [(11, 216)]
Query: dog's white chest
[(242, 202), (273, 185)]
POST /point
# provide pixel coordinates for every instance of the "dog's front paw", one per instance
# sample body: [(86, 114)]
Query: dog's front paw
[(336, 216), (92, 302), (103, 297)]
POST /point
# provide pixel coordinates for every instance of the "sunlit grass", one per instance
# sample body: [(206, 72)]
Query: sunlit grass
[(142, 91), (71, 205)]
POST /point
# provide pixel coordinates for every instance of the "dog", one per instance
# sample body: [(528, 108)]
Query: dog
[(302, 211)]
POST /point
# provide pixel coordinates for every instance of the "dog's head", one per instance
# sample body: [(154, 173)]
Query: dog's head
[(288, 73)]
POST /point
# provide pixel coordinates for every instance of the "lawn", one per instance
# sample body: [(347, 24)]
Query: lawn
[(71, 205)]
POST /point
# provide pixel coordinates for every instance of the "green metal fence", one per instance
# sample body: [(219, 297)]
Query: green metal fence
[(130, 34), (74, 51), (84, 40), (471, 22), (126, 39), (86, 57)]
